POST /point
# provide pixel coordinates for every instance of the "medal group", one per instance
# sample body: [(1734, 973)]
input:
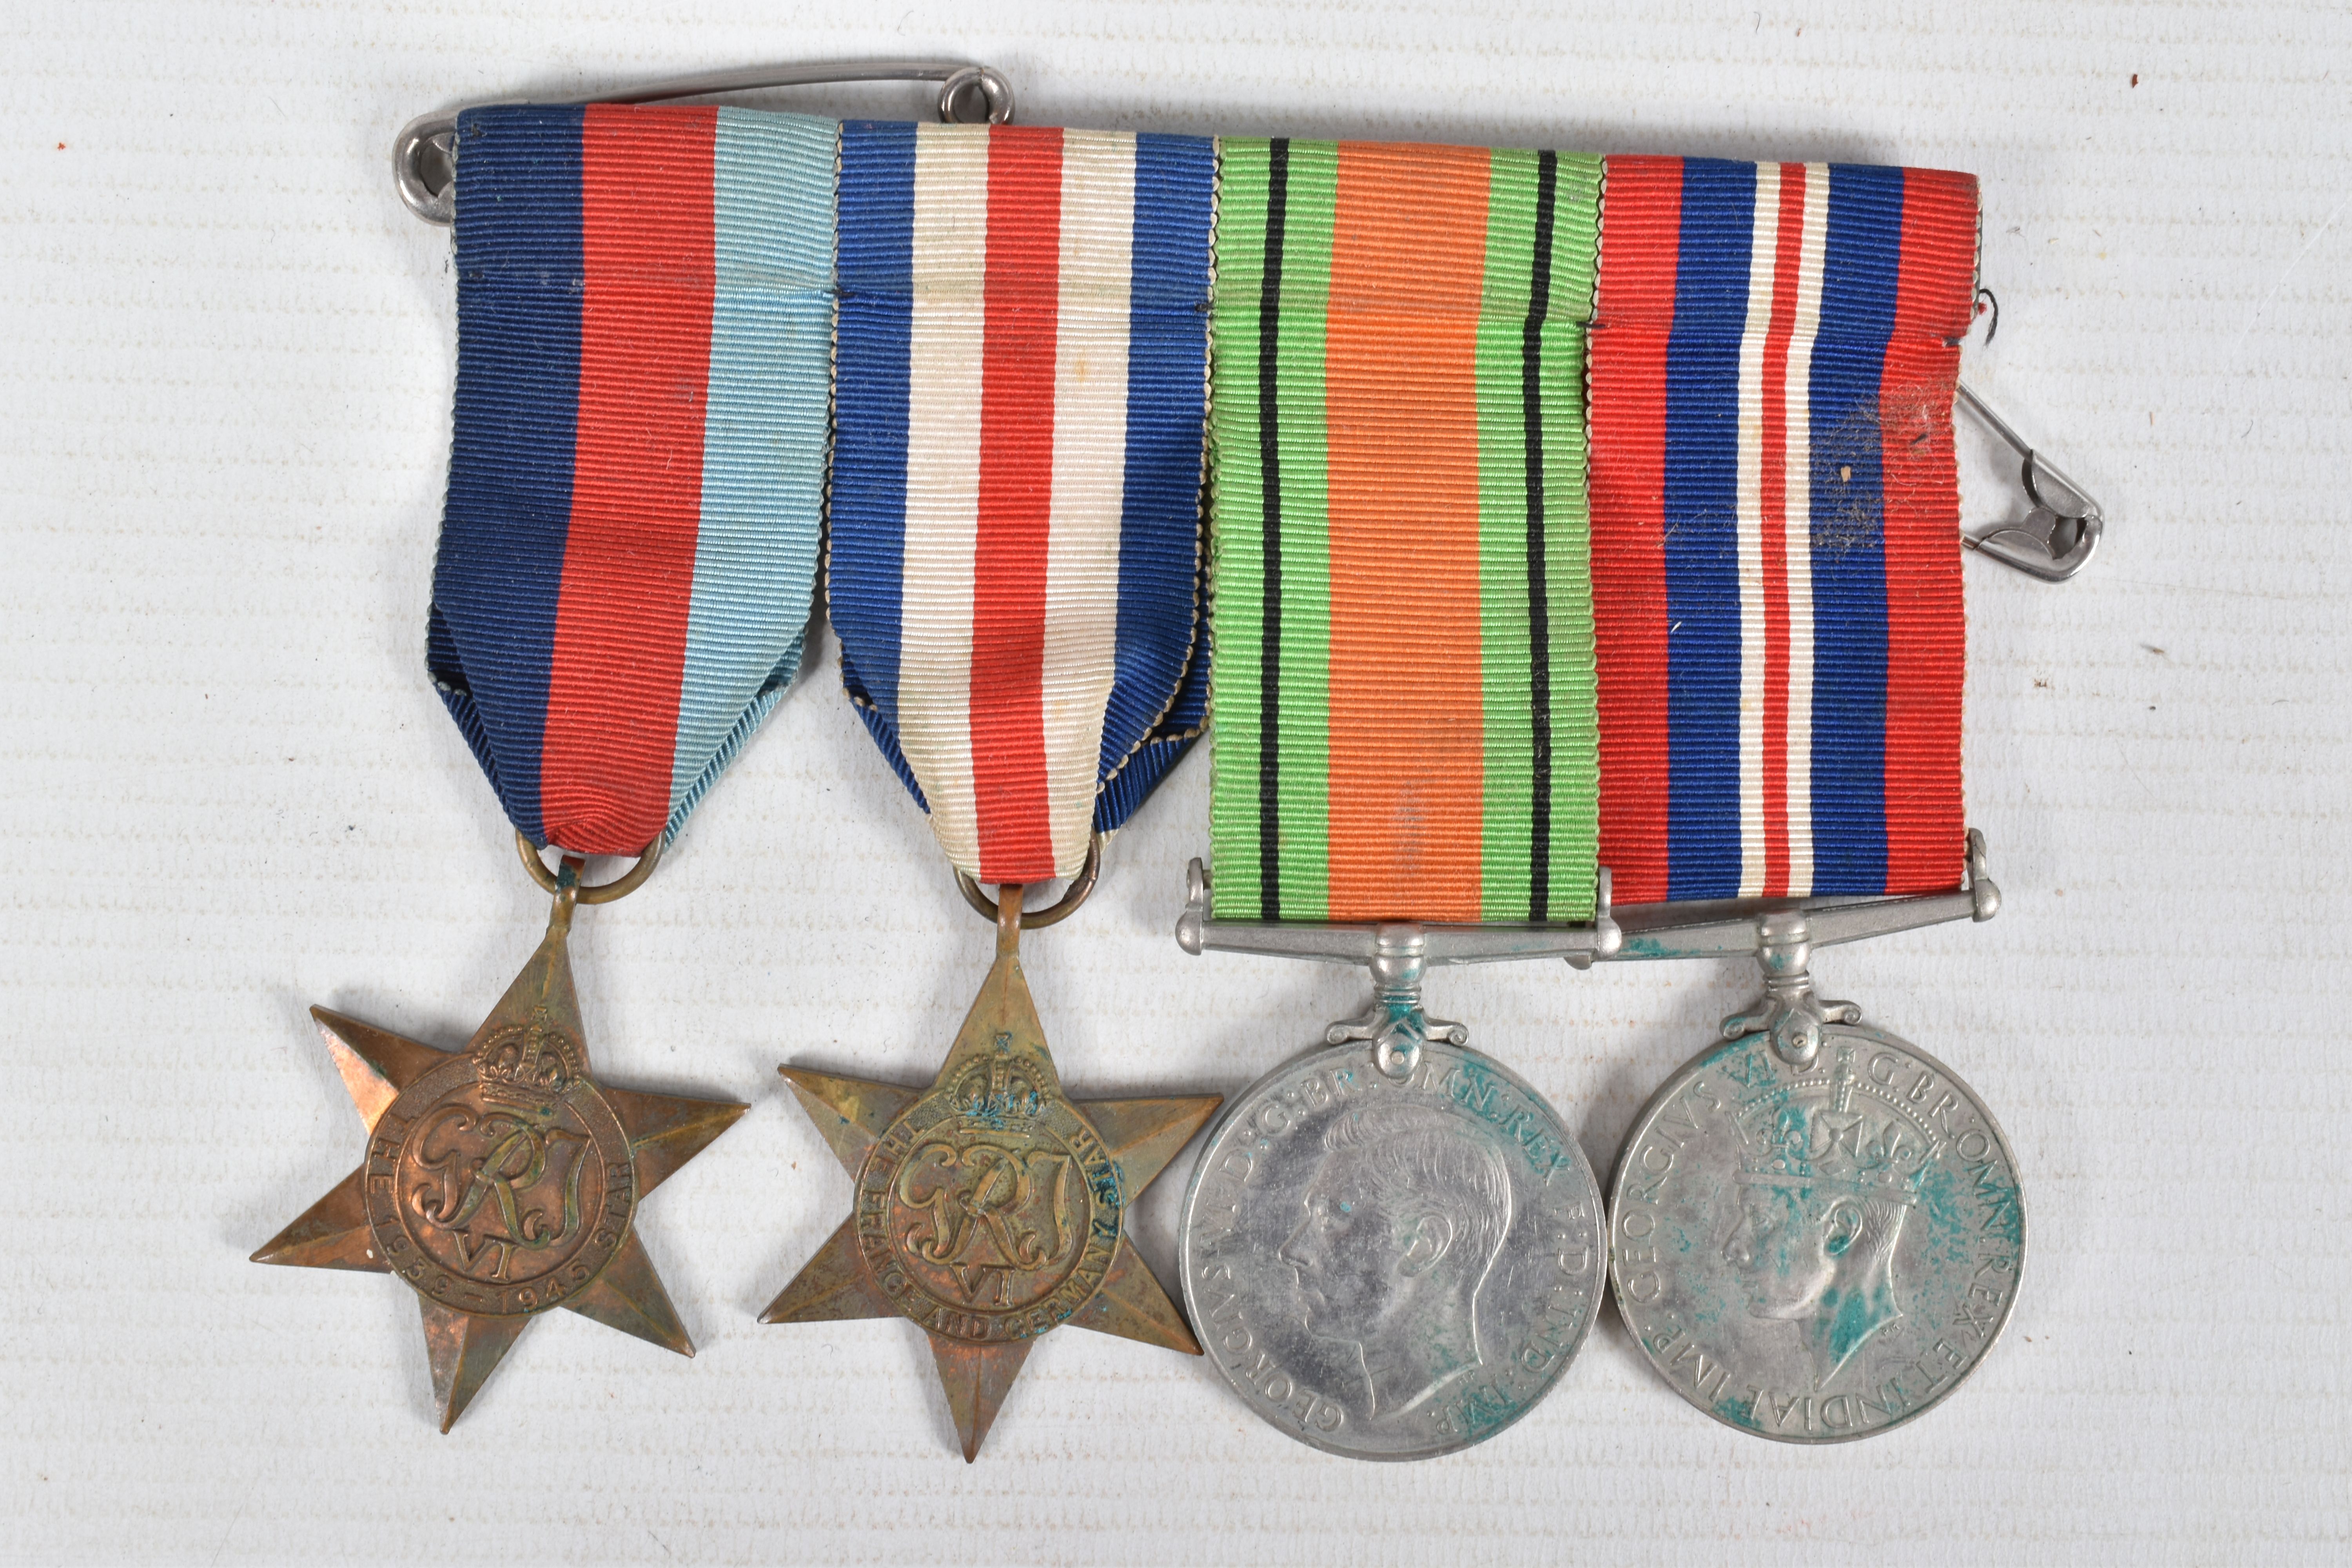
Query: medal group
[(1562, 555)]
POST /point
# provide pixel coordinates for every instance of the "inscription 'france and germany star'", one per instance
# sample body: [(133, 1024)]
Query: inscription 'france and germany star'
[(989, 1208), (503, 1180)]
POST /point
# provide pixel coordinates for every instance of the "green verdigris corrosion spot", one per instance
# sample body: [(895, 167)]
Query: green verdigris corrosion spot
[(1484, 1410)]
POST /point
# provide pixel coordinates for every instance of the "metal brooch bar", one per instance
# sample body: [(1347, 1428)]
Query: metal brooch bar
[(423, 155), (2057, 536)]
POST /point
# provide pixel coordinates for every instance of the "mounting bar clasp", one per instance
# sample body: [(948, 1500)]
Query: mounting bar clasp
[(2056, 538), (1736, 928), (1196, 933), (1781, 935), (424, 155), (1399, 953)]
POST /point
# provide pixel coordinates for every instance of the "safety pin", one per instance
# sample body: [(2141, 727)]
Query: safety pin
[(2047, 542), (424, 159)]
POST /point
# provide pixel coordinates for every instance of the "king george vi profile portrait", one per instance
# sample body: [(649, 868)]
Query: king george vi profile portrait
[(1405, 1212), (1824, 1189)]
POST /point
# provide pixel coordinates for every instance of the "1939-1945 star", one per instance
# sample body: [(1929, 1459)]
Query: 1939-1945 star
[(503, 1180)]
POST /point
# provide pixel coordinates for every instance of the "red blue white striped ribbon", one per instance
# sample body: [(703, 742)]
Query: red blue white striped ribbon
[(629, 549), (1014, 553), (1776, 582)]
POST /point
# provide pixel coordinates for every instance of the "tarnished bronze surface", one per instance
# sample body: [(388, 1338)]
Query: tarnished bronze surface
[(990, 1206), (502, 1180)]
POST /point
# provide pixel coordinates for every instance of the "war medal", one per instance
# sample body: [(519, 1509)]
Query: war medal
[(1013, 575), (1816, 1250), (1816, 1229), (624, 582), (1393, 1248)]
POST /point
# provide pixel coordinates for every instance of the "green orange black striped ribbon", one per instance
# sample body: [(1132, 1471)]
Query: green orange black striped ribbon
[(1403, 700)]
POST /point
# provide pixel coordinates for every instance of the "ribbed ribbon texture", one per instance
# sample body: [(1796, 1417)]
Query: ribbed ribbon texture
[(1013, 557), (629, 549), (1776, 582), (1403, 703)]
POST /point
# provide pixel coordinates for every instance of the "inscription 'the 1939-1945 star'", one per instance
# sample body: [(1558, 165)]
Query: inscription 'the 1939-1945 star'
[(989, 1208), (501, 1180)]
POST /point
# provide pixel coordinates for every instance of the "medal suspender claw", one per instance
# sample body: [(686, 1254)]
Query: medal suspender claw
[(622, 587), (1013, 573)]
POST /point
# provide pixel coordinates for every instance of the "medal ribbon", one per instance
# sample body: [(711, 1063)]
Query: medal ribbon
[(629, 554), (1404, 703), (1013, 555), (1775, 585)]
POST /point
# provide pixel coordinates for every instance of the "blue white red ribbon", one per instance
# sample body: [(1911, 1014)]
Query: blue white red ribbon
[(1013, 566), (629, 550), (1776, 581)]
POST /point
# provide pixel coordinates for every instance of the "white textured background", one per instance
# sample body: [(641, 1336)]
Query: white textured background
[(225, 355)]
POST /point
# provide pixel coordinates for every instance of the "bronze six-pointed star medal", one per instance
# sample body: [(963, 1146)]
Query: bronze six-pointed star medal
[(990, 1208), (503, 1180)]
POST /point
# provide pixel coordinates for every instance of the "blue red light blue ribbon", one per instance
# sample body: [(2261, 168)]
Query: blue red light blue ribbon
[(629, 549)]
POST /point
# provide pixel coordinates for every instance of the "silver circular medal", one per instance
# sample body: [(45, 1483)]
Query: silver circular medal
[(1392, 1268), (1818, 1254)]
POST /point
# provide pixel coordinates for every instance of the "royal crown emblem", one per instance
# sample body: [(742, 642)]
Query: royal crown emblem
[(530, 1063), (1810, 1133), (997, 1091)]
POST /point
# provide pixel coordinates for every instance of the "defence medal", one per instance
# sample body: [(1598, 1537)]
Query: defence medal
[(1393, 1248), (1816, 1229), (624, 580), (1014, 575)]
